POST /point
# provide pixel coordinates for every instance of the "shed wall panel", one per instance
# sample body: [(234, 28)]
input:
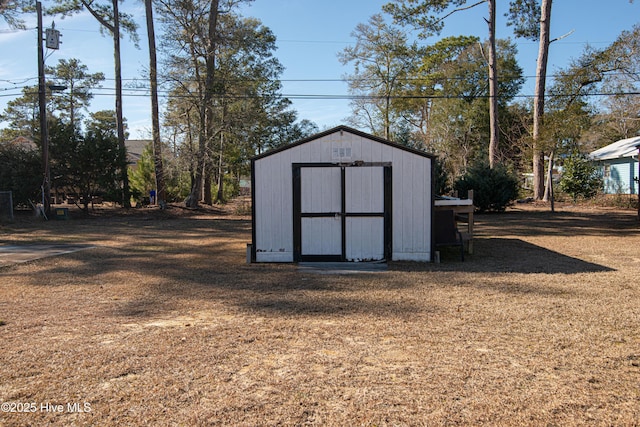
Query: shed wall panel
[(274, 209), (411, 206)]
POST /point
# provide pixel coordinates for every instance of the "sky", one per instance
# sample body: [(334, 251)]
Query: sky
[(310, 34)]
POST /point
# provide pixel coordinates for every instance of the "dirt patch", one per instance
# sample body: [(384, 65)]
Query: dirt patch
[(165, 324)]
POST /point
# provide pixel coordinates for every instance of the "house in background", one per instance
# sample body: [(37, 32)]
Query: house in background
[(619, 165), (135, 148), (342, 195)]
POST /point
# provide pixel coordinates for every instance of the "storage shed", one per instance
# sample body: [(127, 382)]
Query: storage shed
[(619, 165), (341, 195)]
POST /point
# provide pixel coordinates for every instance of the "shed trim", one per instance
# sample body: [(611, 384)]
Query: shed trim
[(343, 128)]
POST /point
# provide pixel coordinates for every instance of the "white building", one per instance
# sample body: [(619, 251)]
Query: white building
[(342, 195)]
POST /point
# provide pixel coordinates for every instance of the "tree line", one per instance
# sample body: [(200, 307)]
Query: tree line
[(460, 96), (457, 97)]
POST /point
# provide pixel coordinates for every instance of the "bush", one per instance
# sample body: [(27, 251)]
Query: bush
[(493, 189), (580, 177), (230, 189), (20, 172)]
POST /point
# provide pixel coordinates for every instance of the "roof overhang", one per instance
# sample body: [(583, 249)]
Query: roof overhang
[(628, 147), (343, 129)]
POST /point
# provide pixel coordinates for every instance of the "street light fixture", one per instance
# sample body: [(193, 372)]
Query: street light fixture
[(57, 88)]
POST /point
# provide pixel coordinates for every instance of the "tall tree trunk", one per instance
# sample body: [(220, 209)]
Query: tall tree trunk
[(115, 32), (538, 102), (155, 115), (548, 191), (193, 199), (387, 119), (126, 193), (493, 86), (220, 195), (207, 196), (206, 114), (72, 108)]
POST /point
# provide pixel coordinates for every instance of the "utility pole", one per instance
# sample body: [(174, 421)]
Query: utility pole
[(52, 42), (44, 134)]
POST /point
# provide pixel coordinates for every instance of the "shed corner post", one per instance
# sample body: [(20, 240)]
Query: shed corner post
[(297, 212), (253, 211), (432, 251), (388, 212)]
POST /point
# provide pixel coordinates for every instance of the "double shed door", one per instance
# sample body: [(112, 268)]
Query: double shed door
[(342, 212)]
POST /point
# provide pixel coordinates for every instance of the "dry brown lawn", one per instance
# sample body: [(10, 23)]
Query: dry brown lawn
[(164, 324)]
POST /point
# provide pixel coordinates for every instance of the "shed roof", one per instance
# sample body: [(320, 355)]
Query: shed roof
[(343, 129), (624, 148)]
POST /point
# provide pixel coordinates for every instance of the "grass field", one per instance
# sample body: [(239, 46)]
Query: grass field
[(164, 324)]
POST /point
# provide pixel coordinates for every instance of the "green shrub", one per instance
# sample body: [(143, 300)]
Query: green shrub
[(230, 189), (580, 177), (493, 189), (20, 172)]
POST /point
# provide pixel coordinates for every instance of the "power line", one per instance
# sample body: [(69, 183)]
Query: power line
[(372, 97), (308, 80), (143, 92)]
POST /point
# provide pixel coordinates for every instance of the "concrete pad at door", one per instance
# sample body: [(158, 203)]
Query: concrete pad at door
[(15, 254), (342, 267)]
